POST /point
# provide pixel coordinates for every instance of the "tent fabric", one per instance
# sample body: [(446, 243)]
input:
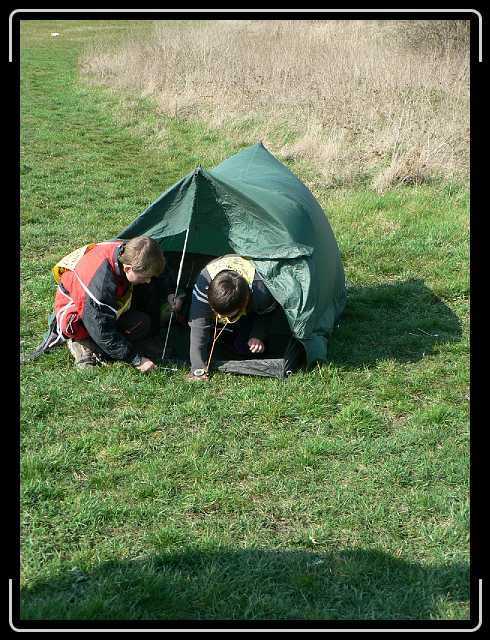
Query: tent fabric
[(253, 205)]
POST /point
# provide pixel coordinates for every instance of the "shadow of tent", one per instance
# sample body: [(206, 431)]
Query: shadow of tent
[(403, 321), (350, 584)]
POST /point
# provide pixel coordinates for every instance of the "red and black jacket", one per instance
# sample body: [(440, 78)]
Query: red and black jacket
[(86, 301)]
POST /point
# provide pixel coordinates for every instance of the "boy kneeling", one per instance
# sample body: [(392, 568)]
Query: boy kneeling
[(92, 302)]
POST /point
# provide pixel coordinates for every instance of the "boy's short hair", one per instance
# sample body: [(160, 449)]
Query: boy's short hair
[(227, 292), (144, 255)]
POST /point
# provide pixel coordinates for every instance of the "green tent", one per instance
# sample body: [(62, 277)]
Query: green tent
[(253, 205)]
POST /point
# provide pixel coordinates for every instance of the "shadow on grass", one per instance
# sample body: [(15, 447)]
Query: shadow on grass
[(403, 321), (251, 585)]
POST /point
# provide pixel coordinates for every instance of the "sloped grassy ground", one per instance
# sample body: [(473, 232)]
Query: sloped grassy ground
[(338, 494)]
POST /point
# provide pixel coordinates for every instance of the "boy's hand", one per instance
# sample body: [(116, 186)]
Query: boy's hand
[(255, 345), (175, 302), (191, 376), (146, 365)]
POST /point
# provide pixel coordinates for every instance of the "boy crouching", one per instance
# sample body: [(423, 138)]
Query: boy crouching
[(92, 302)]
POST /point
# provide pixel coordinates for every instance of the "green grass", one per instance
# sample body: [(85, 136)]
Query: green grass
[(341, 493)]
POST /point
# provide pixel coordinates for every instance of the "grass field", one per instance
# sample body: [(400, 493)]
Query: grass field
[(338, 494)]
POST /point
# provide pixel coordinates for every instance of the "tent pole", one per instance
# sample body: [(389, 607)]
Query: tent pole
[(176, 291)]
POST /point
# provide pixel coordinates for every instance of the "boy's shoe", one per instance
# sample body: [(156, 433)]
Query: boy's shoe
[(84, 357)]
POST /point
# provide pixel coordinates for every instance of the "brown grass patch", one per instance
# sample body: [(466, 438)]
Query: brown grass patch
[(367, 98)]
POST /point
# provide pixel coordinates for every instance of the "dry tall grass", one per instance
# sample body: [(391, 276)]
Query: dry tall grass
[(387, 101)]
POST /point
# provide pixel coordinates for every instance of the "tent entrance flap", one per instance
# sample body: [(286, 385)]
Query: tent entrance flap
[(289, 354)]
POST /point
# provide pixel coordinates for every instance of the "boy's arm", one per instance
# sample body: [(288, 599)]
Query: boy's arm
[(199, 342), (99, 317), (102, 327), (200, 322), (259, 328)]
